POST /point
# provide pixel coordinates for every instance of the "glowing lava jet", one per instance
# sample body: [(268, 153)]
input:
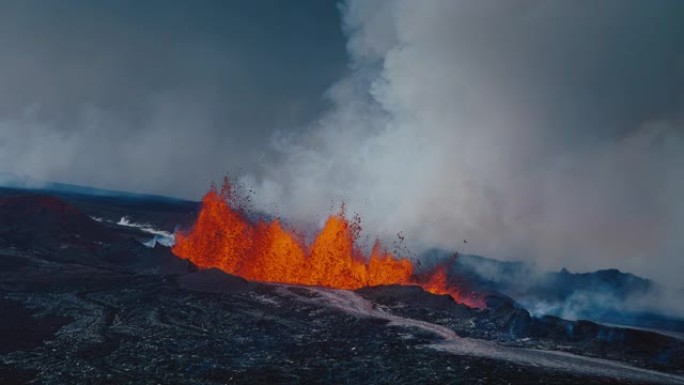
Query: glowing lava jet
[(224, 238)]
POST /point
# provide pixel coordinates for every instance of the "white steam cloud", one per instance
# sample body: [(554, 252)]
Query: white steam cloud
[(499, 124)]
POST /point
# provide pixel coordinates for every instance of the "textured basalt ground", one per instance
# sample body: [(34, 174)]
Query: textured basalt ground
[(86, 303)]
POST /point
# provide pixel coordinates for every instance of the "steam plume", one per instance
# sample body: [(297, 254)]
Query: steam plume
[(544, 131)]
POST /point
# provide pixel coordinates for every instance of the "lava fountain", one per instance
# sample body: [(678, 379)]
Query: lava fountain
[(223, 237)]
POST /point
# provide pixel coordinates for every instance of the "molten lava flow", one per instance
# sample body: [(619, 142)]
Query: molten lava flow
[(438, 283), (265, 251)]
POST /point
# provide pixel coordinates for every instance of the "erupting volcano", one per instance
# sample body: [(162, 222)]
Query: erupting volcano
[(223, 237)]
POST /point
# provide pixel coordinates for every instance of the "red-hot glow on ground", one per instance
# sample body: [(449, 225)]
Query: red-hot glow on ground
[(266, 251)]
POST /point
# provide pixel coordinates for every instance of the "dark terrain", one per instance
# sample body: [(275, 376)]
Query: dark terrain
[(84, 302), (608, 296)]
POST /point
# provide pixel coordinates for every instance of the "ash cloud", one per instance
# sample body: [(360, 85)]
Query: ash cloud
[(543, 131)]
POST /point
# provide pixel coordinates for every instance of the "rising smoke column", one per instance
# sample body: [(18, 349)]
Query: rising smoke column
[(535, 130)]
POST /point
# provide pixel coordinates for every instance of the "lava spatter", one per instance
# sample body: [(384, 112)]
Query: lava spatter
[(223, 237)]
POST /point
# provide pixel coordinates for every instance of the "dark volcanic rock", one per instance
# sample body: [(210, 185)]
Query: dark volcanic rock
[(649, 348), (83, 303), (502, 318), (505, 321), (34, 221), (133, 255), (410, 296), (507, 316), (214, 281), (20, 330), (11, 375)]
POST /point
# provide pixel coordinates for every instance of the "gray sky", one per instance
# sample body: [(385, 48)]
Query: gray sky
[(549, 131), (158, 96)]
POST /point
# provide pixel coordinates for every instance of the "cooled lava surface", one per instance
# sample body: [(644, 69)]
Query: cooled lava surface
[(85, 302)]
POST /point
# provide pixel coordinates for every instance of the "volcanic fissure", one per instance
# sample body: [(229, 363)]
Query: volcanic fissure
[(264, 250)]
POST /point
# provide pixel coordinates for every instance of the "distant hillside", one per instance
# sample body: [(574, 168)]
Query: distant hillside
[(609, 295), (10, 181), (164, 213)]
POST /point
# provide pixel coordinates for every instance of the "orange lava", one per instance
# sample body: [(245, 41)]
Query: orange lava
[(265, 251)]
